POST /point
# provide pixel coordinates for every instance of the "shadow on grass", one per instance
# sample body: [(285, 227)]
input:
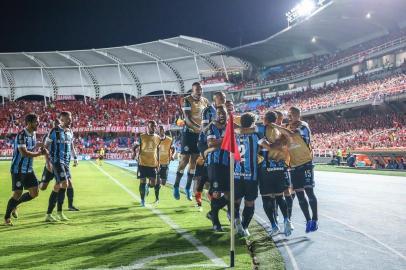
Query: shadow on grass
[(107, 215), (110, 249)]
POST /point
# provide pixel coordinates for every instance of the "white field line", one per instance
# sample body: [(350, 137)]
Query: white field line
[(287, 248), (140, 264), (190, 238)]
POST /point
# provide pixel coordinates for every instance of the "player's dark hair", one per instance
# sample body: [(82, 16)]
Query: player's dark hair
[(64, 113), (295, 110), (279, 113), (270, 116), (247, 119), (30, 118), (151, 122), (195, 84)]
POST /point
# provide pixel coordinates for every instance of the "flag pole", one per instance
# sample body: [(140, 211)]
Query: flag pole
[(232, 206)]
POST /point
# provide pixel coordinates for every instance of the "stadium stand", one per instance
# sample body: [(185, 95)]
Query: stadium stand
[(369, 131), (93, 114), (361, 88)]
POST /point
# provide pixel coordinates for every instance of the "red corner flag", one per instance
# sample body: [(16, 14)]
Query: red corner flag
[(229, 143)]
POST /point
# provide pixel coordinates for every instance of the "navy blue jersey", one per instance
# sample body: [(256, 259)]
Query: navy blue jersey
[(208, 115), (60, 145), (20, 163), (218, 156), (247, 168)]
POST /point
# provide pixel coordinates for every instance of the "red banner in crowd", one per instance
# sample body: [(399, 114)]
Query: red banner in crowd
[(112, 129)]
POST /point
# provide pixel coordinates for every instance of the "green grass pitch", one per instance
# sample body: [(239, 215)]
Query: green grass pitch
[(111, 230)]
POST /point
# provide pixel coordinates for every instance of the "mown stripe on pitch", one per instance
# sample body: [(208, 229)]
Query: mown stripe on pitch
[(190, 238)]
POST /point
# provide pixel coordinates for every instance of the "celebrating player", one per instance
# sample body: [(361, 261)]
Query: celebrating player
[(246, 173), (275, 179), (208, 115), (218, 166), (193, 106), (22, 173), (301, 160), (301, 164), (148, 159), (60, 141)]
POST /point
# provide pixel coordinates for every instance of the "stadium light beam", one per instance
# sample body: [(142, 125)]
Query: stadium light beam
[(368, 16)]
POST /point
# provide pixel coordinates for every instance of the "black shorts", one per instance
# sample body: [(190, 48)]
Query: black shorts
[(22, 181), (201, 171), (273, 181), (61, 172), (303, 176), (163, 172), (189, 143), (219, 176), (246, 189), (47, 176), (146, 172), (101, 157)]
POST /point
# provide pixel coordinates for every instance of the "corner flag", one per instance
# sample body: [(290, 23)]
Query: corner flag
[(229, 143)]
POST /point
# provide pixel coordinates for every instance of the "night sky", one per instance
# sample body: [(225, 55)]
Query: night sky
[(83, 24)]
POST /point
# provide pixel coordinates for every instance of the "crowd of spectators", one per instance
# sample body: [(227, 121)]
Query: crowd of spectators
[(370, 131), (361, 88), (95, 113)]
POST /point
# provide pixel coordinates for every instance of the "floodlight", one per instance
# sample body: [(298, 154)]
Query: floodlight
[(305, 8), (368, 16)]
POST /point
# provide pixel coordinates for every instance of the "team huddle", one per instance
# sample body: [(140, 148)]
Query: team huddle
[(58, 149), (276, 158)]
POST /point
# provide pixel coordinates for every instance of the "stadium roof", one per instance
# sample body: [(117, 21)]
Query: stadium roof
[(338, 25), (171, 64)]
